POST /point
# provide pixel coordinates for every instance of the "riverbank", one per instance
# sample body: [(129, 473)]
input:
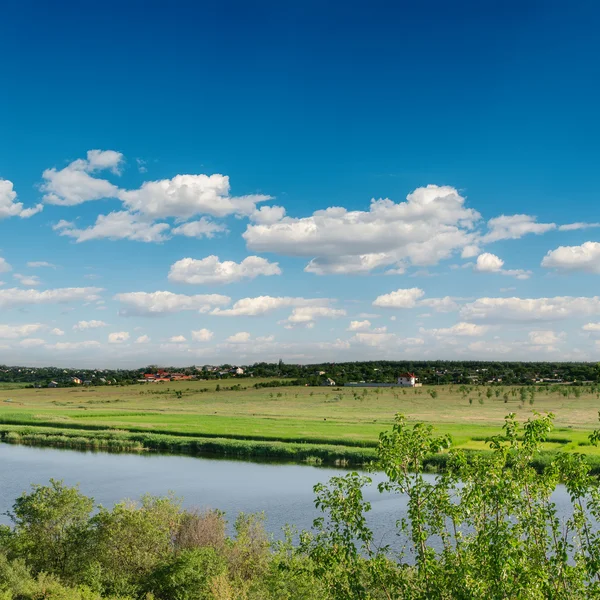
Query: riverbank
[(127, 441), (253, 450)]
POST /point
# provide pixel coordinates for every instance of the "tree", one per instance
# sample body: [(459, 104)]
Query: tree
[(51, 526)]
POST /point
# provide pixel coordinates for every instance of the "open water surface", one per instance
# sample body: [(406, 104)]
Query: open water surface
[(283, 492)]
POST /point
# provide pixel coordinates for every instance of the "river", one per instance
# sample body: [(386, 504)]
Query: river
[(283, 492)]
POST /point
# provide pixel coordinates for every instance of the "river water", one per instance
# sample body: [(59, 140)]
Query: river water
[(283, 492)]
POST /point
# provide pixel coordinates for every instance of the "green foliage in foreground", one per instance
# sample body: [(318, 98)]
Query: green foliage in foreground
[(486, 528)]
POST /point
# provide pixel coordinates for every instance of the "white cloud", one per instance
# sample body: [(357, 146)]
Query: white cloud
[(494, 348), (177, 339), (577, 226), (239, 338), (361, 264), (16, 297), (118, 337), (202, 335), (442, 305), (211, 270), (57, 331), (575, 258), (513, 227), (592, 327), (490, 263), (83, 325), (306, 316), (265, 304), (119, 225), (462, 329), (374, 339), (31, 343), (4, 266), (530, 309), (142, 339), (267, 215), (9, 207), (383, 340), (74, 345), (185, 196), (9, 332), (431, 225), (38, 264), (544, 338), (265, 339), (470, 251), (27, 280), (402, 298), (360, 325), (203, 228), (156, 303), (75, 184)]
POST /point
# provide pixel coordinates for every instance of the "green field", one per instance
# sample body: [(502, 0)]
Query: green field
[(346, 417)]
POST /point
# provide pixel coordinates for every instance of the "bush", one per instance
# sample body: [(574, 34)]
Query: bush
[(188, 575)]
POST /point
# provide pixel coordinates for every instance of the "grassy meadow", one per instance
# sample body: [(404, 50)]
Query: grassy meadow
[(345, 418)]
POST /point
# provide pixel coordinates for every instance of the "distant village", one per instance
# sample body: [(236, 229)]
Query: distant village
[(355, 374)]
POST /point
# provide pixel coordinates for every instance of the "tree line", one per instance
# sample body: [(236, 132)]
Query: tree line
[(428, 372)]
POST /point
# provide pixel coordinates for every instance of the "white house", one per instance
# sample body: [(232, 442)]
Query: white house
[(407, 380)]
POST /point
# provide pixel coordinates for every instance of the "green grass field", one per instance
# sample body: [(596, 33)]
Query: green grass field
[(343, 416)]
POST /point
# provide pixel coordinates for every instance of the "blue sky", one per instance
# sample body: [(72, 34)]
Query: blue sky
[(236, 182)]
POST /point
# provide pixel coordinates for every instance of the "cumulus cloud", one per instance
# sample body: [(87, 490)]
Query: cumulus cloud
[(513, 227), (431, 225), (462, 329), (177, 339), (402, 298), (544, 338), (239, 338), (261, 305), (592, 327), (16, 297), (75, 183), (9, 332), (575, 258), (38, 264), (356, 265), (119, 225), (442, 305), (181, 197), (57, 331), (383, 340), (211, 270), (360, 325), (490, 263), (93, 324), (4, 266), (305, 316), (27, 280), (74, 345), (203, 228), (9, 207), (530, 309), (266, 215), (31, 342), (142, 339), (118, 337), (202, 335), (185, 196), (157, 303)]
